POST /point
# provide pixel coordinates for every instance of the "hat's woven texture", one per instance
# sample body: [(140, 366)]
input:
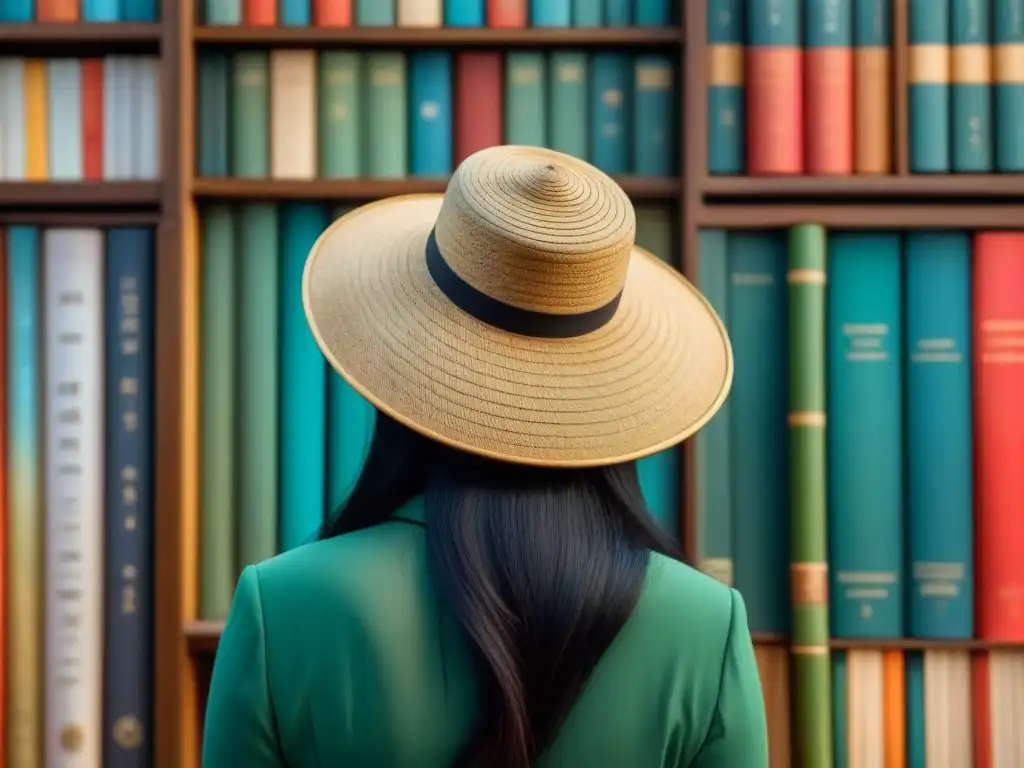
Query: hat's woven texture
[(541, 231)]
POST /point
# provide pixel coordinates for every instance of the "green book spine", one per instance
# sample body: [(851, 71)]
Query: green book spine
[(217, 563), (212, 95), (340, 134), (387, 118), (250, 115), (526, 116), (808, 548), (568, 107), (257, 383)]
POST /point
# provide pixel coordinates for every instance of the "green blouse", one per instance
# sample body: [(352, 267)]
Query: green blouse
[(337, 654)]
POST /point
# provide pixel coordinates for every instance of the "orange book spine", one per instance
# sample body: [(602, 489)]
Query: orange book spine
[(260, 13), (332, 13), (999, 423), (980, 711), (3, 494), (506, 14), (36, 130), (57, 11), (872, 131), (92, 119), (894, 710), (828, 74), (775, 97)]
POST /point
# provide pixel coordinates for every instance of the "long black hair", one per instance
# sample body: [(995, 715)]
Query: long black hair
[(542, 568)]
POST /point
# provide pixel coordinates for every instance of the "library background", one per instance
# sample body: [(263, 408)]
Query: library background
[(842, 178)]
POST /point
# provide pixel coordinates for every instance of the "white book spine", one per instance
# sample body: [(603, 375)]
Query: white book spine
[(293, 120), (147, 121), (73, 413), (420, 13), (112, 103), (12, 118)]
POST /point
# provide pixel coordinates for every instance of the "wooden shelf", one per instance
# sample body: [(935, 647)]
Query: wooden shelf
[(890, 215), (99, 38), (79, 194), (203, 635), (428, 37), (372, 189), (921, 186)]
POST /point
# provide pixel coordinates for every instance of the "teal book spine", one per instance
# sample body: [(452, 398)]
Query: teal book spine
[(971, 89), (430, 97), (1008, 73), (526, 111), (865, 436), (548, 13), (386, 115), (939, 473), (713, 491), (654, 103), (915, 712), (212, 127), (223, 13), (339, 114), (64, 119), (659, 483), (303, 385), (928, 100), (587, 13), (567, 108), (375, 13), (101, 10), (758, 326), (652, 13), (726, 96), (350, 420), (250, 115), (609, 117), (840, 716), (295, 13)]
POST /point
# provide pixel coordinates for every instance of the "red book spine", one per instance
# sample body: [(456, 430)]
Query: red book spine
[(999, 433), (506, 14), (828, 78), (981, 726), (478, 108), (260, 13), (332, 13), (92, 119), (775, 99)]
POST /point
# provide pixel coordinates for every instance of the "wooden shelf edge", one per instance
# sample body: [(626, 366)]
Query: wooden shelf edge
[(431, 36), (862, 216), (79, 194), (92, 32), (923, 186), (372, 189)]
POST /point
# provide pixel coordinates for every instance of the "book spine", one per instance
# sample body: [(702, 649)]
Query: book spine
[(928, 72), (939, 475), (431, 103), (303, 385), (609, 123), (652, 13), (760, 496), (386, 118), (981, 712), (259, 13), (618, 13), (525, 107), (894, 710), (775, 88), (222, 13), (17, 11), (971, 89), (4, 442), (429, 13), (506, 14), (146, 123), (127, 144), (463, 13), (550, 13), (64, 119), (340, 124), (807, 483), (92, 119), (127, 706), (375, 13), (726, 119), (915, 710), (141, 10), (478, 117), (587, 13), (101, 10), (840, 716), (332, 13), (865, 495), (292, 114), (257, 389), (865, 738), (568, 103), (212, 124), (250, 115), (654, 102), (24, 457), (998, 303), (58, 11), (12, 107), (294, 13), (828, 87), (219, 458), (1008, 73), (74, 416), (872, 85), (37, 161), (713, 492)]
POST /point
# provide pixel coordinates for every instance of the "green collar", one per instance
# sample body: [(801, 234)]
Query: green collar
[(413, 510)]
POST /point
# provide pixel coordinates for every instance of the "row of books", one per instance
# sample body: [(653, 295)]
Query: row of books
[(438, 13), (300, 114), (71, 11), (69, 119), (917, 709), (76, 506), (805, 86), (283, 438), (916, 479)]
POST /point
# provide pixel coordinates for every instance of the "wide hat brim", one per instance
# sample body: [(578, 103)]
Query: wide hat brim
[(649, 378)]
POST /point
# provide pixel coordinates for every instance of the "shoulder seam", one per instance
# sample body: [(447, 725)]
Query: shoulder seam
[(721, 671)]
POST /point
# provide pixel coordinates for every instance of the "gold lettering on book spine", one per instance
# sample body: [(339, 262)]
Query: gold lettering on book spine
[(809, 583)]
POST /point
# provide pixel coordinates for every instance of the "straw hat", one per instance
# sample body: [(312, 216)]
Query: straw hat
[(513, 317)]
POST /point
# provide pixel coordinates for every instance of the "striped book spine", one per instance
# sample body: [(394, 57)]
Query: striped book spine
[(828, 87), (1008, 72), (971, 90), (807, 482), (928, 97), (726, 123), (872, 85), (775, 88)]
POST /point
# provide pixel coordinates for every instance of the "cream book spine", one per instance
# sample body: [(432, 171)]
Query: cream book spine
[(293, 118), (420, 13)]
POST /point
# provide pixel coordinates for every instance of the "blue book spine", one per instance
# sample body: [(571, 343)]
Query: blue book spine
[(430, 94), (865, 436), (840, 716), (16, 11), (652, 13), (130, 323), (587, 13), (64, 119), (550, 13), (915, 738), (928, 97), (654, 139), (726, 114), (375, 13), (659, 483), (609, 125), (101, 10), (758, 326), (350, 430), (939, 478), (618, 13), (303, 386), (212, 125), (1008, 71), (464, 13), (140, 10), (971, 74), (294, 13)]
